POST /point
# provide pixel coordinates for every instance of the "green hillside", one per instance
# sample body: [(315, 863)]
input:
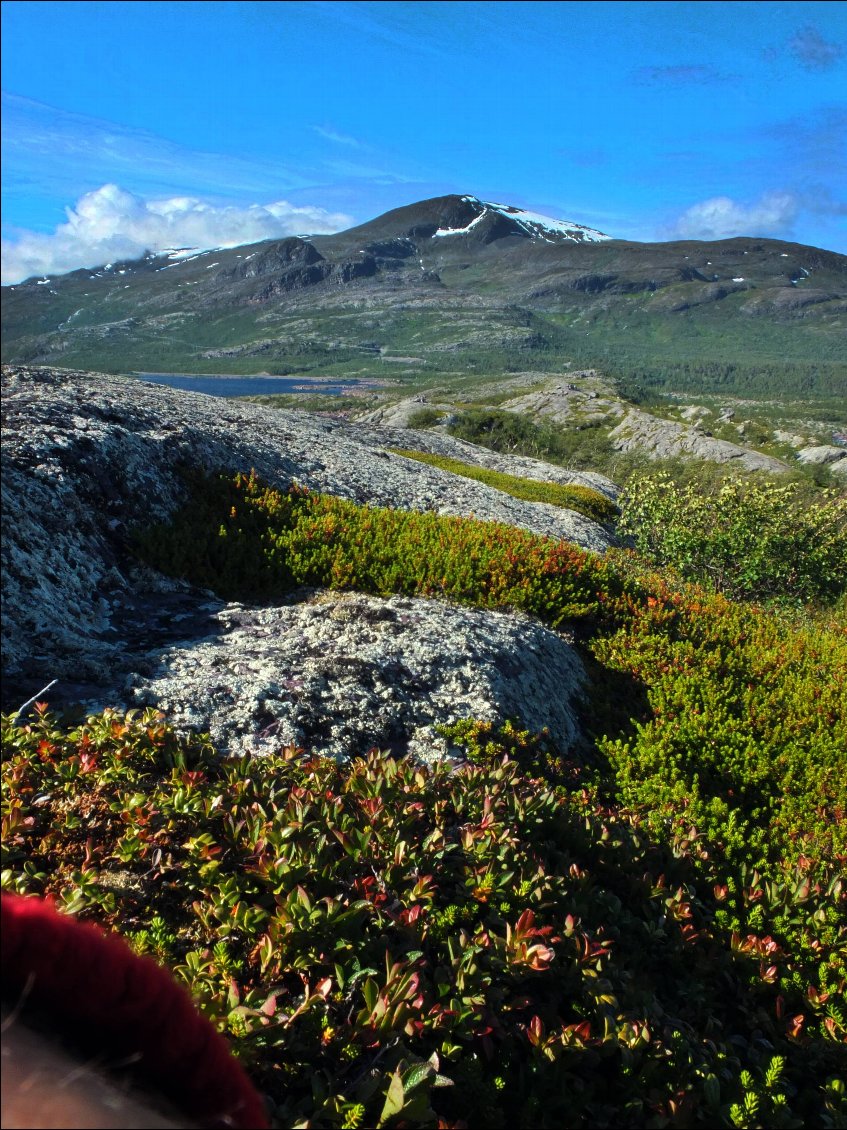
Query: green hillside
[(391, 300)]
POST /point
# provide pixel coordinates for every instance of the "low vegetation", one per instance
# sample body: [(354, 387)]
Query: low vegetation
[(646, 382), (584, 500), (425, 418), (645, 930), (750, 538), (513, 433)]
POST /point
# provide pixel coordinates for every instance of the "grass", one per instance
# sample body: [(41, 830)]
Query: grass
[(584, 500)]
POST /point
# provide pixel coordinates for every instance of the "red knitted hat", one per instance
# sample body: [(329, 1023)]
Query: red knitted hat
[(96, 987)]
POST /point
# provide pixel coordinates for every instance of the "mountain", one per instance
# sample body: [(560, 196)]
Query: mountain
[(453, 285)]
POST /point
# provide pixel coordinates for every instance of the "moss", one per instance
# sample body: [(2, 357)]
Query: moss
[(583, 500)]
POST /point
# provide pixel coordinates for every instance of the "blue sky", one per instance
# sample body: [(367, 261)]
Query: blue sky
[(222, 122)]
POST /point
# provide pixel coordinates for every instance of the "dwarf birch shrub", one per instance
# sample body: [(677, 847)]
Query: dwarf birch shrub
[(748, 539), (391, 944)]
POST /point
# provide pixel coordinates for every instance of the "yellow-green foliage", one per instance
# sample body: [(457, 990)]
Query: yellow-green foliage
[(583, 499), (746, 731), (646, 930), (744, 537)]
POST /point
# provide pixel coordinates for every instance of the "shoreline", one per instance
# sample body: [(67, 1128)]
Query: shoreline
[(337, 382)]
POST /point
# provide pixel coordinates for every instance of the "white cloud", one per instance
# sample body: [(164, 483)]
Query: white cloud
[(721, 217), (110, 224), (338, 137)]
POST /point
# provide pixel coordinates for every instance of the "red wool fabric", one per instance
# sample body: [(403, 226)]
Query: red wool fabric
[(94, 985)]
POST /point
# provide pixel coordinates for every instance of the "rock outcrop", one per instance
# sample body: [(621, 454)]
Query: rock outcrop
[(825, 453), (435, 442), (87, 458), (661, 439), (339, 673)]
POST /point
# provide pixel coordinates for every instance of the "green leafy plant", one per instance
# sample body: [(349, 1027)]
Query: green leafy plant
[(748, 539), (389, 943), (646, 930), (424, 418)]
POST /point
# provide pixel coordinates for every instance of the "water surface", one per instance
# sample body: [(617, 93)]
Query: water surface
[(222, 385)]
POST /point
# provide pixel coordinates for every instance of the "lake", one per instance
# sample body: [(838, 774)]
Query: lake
[(214, 385)]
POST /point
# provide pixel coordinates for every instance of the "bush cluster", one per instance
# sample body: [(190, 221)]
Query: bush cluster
[(752, 540), (569, 496), (587, 447), (722, 689), (389, 944), (646, 930), (425, 418)]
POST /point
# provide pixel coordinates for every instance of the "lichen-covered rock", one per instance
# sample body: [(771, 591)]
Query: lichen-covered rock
[(88, 458), (825, 453), (663, 439), (341, 673)]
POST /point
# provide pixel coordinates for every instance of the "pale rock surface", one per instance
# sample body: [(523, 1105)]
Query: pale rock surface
[(88, 458), (825, 453), (694, 412), (791, 438), (564, 401), (339, 673), (398, 413), (570, 402), (661, 439)]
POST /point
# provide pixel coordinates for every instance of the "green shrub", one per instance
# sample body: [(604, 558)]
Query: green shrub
[(583, 499), (745, 735), (646, 930), (387, 943), (512, 433), (752, 540), (424, 418), (245, 540)]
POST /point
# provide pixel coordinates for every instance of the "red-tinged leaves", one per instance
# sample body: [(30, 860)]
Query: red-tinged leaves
[(535, 1031)]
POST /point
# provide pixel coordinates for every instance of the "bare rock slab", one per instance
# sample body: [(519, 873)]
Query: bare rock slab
[(341, 673), (663, 439), (87, 458)]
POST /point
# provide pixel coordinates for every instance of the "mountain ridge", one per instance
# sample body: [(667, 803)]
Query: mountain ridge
[(512, 282)]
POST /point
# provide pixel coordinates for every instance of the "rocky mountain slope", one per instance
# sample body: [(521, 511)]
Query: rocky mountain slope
[(88, 458), (452, 284)]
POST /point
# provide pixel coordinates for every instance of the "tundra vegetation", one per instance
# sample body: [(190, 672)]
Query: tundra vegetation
[(583, 499), (646, 929)]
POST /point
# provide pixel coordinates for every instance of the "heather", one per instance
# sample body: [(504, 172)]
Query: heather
[(646, 929)]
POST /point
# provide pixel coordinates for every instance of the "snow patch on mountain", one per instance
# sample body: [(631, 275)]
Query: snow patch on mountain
[(534, 224), (537, 225), (461, 231)]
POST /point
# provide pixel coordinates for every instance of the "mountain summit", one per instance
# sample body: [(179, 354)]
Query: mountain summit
[(482, 221), (447, 285)]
